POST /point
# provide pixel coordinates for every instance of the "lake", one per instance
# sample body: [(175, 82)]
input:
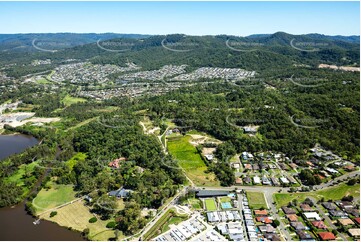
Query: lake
[(13, 144), (15, 223)]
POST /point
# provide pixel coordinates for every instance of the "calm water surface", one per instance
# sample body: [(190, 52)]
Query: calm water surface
[(13, 144), (15, 223)]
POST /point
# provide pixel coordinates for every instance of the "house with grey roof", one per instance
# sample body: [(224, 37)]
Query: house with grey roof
[(120, 193)]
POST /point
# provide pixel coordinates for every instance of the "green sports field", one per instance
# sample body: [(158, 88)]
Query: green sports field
[(210, 204)]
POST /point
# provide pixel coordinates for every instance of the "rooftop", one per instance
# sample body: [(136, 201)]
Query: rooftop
[(327, 236)]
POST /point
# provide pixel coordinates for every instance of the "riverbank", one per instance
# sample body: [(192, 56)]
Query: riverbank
[(15, 218)]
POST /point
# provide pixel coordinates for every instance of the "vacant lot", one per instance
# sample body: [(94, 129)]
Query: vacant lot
[(333, 193), (53, 197), (256, 200), (162, 225), (190, 160), (195, 203), (210, 204), (76, 216)]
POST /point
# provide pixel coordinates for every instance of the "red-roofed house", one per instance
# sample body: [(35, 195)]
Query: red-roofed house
[(326, 236), (239, 180), (292, 217), (260, 213), (265, 220), (349, 168), (306, 208), (319, 224), (357, 220), (247, 166), (115, 163)]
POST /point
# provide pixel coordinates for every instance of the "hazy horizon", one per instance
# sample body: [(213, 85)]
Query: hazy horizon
[(174, 33), (190, 18)]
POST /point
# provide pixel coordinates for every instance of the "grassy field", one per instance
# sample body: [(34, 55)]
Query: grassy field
[(69, 100), (210, 204), (333, 193), (76, 216), (189, 159), (256, 200), (42, 81), (85, 122), (55, 196)]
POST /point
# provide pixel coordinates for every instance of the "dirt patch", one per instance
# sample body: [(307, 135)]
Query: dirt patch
[(208, 151), (201, 139)]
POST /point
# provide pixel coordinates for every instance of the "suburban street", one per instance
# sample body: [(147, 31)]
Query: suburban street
[(328, 220), (161, 213)]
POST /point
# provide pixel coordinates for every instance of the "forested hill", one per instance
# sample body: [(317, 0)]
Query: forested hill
[(259, 52), (24, 42)]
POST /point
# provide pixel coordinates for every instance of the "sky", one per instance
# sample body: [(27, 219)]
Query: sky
[(191, 18)]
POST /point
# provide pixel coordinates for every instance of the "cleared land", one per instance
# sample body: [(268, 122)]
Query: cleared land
[(53, 197), (195, 203), (76, 216), (210, 204), (256, 200), (334, 193), (162, 225), (190, 160), (69, 100), (42, 81)]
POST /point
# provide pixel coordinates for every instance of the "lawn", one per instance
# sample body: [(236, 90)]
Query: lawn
[(69, 100), (256, 200), (190, 160), (334, 193), (76, 216), (210, 204), (173, 220), (225, 199), (53, 197), (195, 203)]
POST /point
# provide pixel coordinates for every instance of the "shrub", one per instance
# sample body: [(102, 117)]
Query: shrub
[(93, 220), (111, 225), (352, 182), (276, 223), (53, 213)]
